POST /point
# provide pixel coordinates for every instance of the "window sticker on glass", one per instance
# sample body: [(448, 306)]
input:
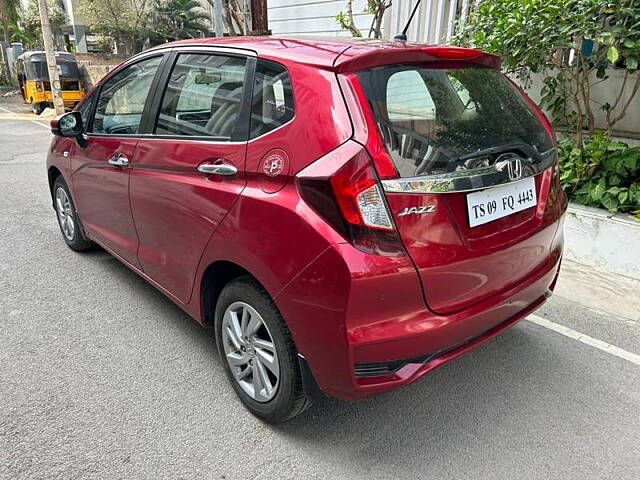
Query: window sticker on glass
[(272, 104)]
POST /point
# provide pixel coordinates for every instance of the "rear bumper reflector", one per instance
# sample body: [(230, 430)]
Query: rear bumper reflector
[(386, 368)]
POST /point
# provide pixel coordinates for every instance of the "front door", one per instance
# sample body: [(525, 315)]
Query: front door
[(101, 168), (189, 172)]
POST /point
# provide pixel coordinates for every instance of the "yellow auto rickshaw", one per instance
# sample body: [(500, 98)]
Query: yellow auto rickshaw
[(33, 78)]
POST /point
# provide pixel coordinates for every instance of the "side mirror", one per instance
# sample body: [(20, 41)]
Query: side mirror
[(68, 125)]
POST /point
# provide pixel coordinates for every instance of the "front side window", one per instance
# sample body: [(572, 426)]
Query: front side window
[(122, 98), (203, 96), (272, 98)]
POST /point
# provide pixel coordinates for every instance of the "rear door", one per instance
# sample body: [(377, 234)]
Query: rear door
[(191, 168), (474, 162)]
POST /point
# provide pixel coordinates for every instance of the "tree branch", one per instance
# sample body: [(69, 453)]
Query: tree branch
[(623, 112)]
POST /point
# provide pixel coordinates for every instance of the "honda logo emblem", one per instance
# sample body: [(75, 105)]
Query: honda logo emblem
[(512, 164), (514, 168)]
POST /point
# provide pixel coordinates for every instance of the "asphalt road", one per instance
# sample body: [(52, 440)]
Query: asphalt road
[(102, 377)]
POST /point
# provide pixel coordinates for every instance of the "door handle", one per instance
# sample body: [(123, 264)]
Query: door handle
[(119, 160), (217, 169)]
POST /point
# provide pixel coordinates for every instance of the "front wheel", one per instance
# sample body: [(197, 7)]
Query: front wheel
[(258, 353), (68, 218), (38, 107)]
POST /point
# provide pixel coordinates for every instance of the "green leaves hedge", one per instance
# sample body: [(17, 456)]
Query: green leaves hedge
[(604, 173)]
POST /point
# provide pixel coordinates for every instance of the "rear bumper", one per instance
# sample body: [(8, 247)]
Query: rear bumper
[(370, 316), (414, 370)]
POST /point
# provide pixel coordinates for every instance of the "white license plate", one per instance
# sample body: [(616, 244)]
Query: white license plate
[(497, 202)]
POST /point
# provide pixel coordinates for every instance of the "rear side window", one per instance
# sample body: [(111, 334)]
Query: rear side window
[(272, 104), (437, 121), (122, 98), (203, 96)]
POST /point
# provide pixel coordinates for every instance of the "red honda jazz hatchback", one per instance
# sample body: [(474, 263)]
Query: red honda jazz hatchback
[(347, 215)]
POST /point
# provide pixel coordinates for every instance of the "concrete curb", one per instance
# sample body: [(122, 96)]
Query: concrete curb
[(606, 241)]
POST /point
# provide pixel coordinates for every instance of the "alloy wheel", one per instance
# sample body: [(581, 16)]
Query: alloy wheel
[(250, 351), (65, 214)]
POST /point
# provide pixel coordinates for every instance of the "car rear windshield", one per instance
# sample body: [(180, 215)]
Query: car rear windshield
[(438, 121)]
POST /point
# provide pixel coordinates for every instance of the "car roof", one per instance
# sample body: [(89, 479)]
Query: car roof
[(342, 53), (40, 55)]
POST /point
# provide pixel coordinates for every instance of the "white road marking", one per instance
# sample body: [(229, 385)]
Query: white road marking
[(586, 339), (28, 119)]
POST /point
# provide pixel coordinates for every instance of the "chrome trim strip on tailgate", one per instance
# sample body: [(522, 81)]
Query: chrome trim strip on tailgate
[(501, 172)]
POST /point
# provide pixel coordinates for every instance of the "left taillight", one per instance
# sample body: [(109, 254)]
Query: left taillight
[(358, 194), (344, 189), (367, 132)]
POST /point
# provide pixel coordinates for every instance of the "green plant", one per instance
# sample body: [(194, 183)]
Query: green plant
[(8, 13), (28, 28), (31, 39), (104, 43), (571, 42), (604, 173), (377, 8), (123, 20), (177, 20), (346, 21)]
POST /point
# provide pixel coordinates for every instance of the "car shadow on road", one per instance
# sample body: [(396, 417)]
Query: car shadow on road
[(493, 392), (121, 275)]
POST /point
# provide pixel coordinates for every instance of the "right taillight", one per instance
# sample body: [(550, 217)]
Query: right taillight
[(344, 189)]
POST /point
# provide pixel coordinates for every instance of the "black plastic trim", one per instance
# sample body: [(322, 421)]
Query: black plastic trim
[(156, 94), (309, 384), (243, 127), (364, 370)]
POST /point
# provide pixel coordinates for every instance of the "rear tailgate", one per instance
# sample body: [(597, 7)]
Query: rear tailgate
[(472, 198)]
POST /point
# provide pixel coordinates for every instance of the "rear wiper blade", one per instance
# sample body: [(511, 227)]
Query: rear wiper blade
[(527, 149)]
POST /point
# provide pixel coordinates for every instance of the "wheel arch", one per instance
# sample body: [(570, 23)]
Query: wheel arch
[(215, 277), (52, 174)]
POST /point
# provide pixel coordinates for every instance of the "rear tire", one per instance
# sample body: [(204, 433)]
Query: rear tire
[(263, 349), (68, 221), (38, 107)]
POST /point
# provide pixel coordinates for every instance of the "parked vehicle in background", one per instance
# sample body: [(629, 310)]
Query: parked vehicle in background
[(348, 215), (33, 79)]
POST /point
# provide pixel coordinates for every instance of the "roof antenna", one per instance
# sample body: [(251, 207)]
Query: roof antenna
[(402, 37)]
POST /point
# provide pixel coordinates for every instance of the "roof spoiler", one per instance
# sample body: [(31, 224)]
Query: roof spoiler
[(356, 58)]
